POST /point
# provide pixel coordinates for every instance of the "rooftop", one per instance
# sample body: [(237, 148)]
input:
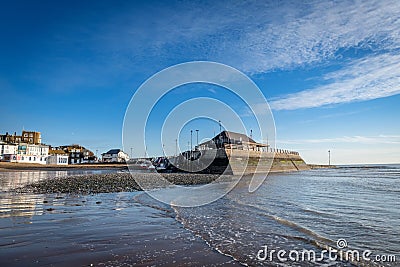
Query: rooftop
[(114, 151)]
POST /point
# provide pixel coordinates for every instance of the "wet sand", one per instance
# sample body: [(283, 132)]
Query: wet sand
[(10, 166), (81, 228), (113, 229)]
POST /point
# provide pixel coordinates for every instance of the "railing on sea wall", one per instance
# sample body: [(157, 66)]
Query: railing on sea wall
[(261, 149)]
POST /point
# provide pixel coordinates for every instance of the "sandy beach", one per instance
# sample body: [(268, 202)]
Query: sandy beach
[(95, 220), (100, 218), (10, 166), (112, 229)]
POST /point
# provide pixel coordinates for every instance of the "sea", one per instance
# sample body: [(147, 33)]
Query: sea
[(344, 216), (309, 210)]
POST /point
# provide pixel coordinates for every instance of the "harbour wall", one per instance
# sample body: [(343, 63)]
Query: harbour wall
[(263, 162), (235, 161)]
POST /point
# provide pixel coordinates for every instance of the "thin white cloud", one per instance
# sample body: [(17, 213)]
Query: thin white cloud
[(380, 139), (212, 90), (289, 35), (259, 37), (365, 79), (254, 36)]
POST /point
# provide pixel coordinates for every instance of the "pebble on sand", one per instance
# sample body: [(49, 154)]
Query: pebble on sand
[(112, 182)]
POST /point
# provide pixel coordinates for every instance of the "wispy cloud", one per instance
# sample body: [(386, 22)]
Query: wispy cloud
[(365, 79), (254, 36), (380, 139), (266, 36), (288, 35)]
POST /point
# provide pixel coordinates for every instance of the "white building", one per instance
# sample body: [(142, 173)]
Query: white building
[(18, 158), (27, 153), (7, 149), (115, 155), (37, 150), (57, 159)]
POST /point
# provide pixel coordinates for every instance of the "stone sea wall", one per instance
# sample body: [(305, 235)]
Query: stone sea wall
[(261, 162)]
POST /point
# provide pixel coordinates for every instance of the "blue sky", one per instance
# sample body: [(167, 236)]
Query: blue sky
[(329, 70)]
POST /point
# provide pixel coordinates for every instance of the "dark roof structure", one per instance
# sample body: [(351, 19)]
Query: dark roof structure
[(227, 137), (113, 151), (235, 136)]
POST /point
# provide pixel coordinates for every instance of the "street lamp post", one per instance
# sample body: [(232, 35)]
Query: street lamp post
[(329, 158), (191, 149), (191, 140), (189, 156), (197, 132)]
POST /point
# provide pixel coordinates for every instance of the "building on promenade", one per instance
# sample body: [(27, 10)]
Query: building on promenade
[(57, 157), (237, 154), (6, 148), (24, 148), (115, 155), (232, 140), (77, 154), (29, 137), (18, 158), (28, 148), (28, 153)]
